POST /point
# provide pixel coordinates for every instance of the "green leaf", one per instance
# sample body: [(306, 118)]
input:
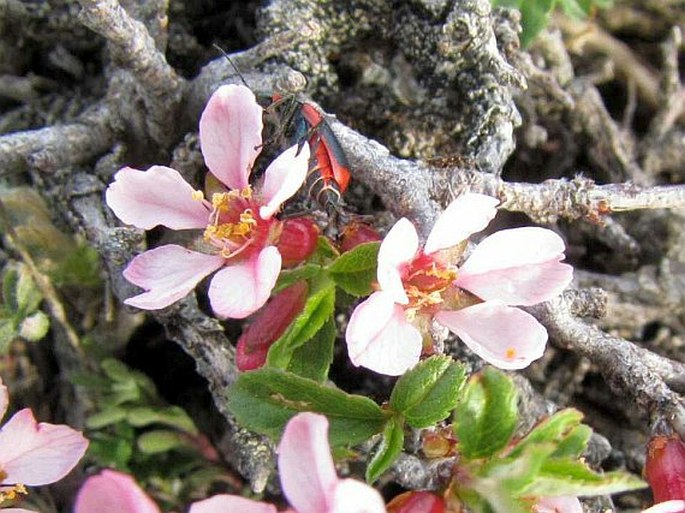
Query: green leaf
[(534, 17), (317, 310), (27, 294), (325, 251), (264, 400), (157, 441), (485, 418), (106, 418), (313, 359), (110, 452), (387, 451), (10, 279), (575, 443), (290, 276), (428, 393), (8, 332), (501, 479), (355, 270), (561, 476), (573, 9), (173, 416), (555, 429)]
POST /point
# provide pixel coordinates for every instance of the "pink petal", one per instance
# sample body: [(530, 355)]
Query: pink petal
[(113, 492), (231, 134), (351, 496), (305, 465), (399, 247), (672, 506), (283, 178), (34, 453), (466, 215), (168, 273), (230, 503), (564, 504), (17, 510), (379, 337), (242, 288), (520, 266), (158, 196), (505, 337), (4, 399)]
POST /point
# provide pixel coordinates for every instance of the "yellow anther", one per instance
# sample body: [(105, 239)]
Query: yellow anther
[(10, 493), (246, 192), (510, 353), (198, 195), (247, 217), (220, 201)]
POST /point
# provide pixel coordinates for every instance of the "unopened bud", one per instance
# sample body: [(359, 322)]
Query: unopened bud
[(268, 324), (356, 233), (417, 502), (297, 241), (665, 468)]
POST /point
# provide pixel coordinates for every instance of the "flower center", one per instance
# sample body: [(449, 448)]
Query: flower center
[(425, 280), (234, 223), (9, 493)]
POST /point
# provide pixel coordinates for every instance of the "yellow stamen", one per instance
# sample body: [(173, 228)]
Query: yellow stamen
[(198, 195), (510, 353), (11, 493)]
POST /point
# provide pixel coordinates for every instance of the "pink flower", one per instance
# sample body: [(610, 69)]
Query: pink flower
[(308, 477), (113, 492), (32, 453), (520, 266), (241, 235)]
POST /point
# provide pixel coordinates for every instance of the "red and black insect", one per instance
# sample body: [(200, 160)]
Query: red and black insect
[(329, 172)]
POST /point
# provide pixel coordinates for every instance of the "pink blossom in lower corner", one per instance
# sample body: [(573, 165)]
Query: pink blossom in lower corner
[(307, 475), (33, 453), (305, 466), (476, 300), (113, 492), (241, 237)]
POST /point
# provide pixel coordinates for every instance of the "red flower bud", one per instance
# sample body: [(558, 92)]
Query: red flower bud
[(268, 324), (665, 468), (356, 233), (417, 502), (297, 241)]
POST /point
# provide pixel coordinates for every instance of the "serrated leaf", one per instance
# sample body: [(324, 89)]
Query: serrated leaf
[(355, 270), (10, 279), (105, 418), (573, 9), (290, 276), (554, 429), (157, 441), (501, 479), (27, 293), (575, 443), (387, 451), (485, 418), (534, 17), (317, 310), (561, 476), (172, 416), (325, 251), (427, 393), (8, 332), (264, 400), (313, 359)]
